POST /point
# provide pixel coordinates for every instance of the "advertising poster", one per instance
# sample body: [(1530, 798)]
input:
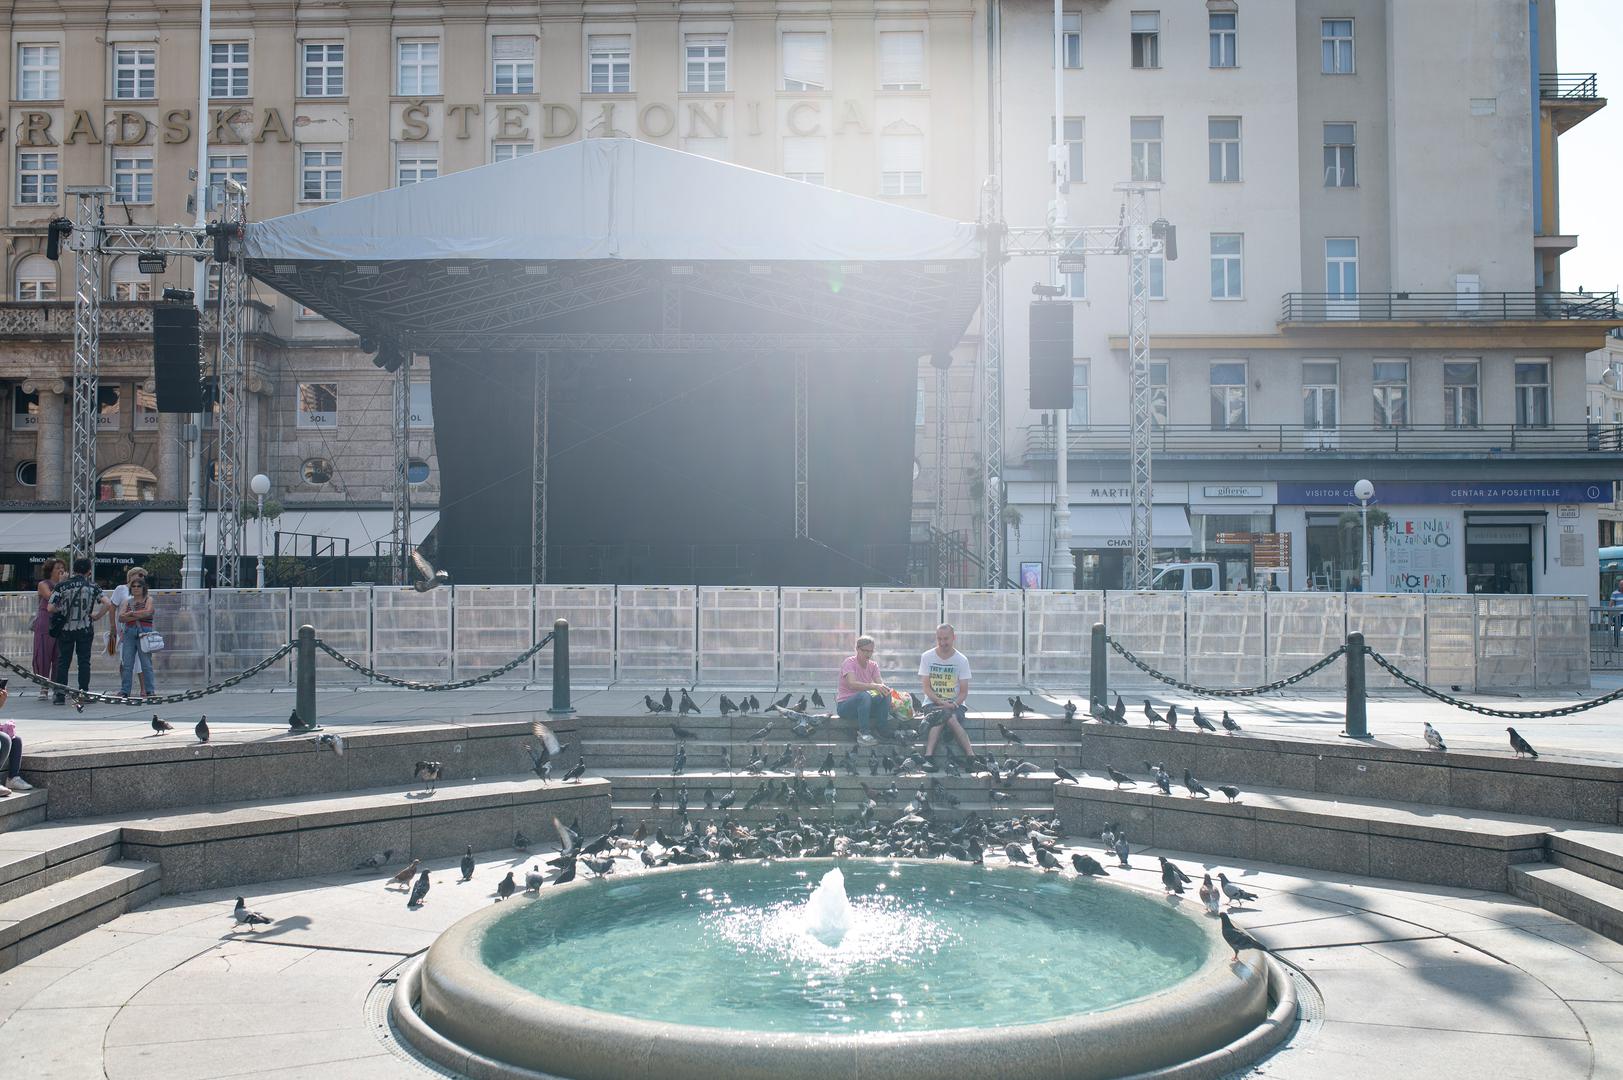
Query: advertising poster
[(1420, 554)]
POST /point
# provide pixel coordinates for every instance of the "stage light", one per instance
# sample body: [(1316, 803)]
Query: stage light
[(151, 263), (1162, 230), (389, 358), (58, 230), (179, 296), (1048, 291)]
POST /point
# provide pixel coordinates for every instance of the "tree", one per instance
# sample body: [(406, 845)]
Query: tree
[(163, 566)]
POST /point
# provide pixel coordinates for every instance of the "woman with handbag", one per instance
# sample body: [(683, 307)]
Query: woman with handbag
[(135, 617), (45, 643)]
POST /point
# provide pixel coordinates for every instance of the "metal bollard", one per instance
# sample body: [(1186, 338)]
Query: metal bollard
[(560, 670), (304, 676), (1357, 720), (1098, 671)]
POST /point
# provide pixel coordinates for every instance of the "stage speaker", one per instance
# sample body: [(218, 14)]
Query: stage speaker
[(177, 358), (1051, 359)]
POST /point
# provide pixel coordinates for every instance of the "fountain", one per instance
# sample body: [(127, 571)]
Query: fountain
[(828, 912)]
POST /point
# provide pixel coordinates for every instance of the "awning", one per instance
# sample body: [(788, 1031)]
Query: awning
[(40, 532), (153, 529), (1112, 527)]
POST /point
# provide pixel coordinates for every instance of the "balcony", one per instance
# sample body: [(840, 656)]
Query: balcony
[(1301, 307), (1360, 440), (1569, 97), (47, 319)]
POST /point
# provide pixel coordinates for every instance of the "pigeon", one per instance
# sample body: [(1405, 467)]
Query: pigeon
[(1070, 711), (725, 705), (161, 725), (404, 877), (1202, 723), (755, 703), (295, 722), (1045, 859), (1230, 725), (202, 729), (688, 705), (803, 704), (1122, 851), (783, 702), (1236, 938), (522, 842), (653, 706), (1063, 773), (1433, 739), (1087, 865), (655, 801), (1159, 775), (1170, 867), (545, 749), (762, 733), (1017, 707), (1517, 743), (917, 702), (1230, 790), (1016, 853), (576, 771), (533, 877), (709, 798), (1151, 715), (666, 702), (429, 773), (817, 700), (333, 742), (1009, 736), (467, 864), (249, 918), (679, 763), (1210, 896), (726, 801), (683, 734), (827, 767), (377, 860), (1193, 786), (1172, 717), (1171, 879), (506, 887), (1235, 894), (419, 892), (1119, 778)]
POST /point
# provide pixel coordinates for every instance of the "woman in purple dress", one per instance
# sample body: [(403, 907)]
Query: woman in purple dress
[(44, 644)]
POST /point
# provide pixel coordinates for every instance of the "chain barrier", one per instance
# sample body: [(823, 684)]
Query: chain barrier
[(407, 684), (1470, 706), (62, 689), (1239, 692)]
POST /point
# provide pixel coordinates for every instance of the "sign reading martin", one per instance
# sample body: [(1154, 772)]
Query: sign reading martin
[(1420, 554)]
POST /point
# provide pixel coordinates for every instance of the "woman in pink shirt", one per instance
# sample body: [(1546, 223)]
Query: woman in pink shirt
[(862, 695)]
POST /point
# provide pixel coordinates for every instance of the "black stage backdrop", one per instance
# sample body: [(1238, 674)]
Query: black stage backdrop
[(676, 469)]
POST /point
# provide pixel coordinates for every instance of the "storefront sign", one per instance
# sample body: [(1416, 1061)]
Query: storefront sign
[(1446, 493), (1232, 491), (1497, 534), (1566, 513), (1420, 555)]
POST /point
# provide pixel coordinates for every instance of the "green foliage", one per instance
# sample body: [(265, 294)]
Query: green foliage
[(250, 510), (163, 567), (283, 571)]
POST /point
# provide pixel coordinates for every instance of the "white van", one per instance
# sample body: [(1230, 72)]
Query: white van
[(1188, 577)]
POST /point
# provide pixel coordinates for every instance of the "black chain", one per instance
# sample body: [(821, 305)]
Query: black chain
[(407, 684), (62, 689), (1212, 691), (1470, 706)]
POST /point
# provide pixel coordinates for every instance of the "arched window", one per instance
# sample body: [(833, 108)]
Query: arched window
[(36, 278), (127, 483), (316, 471), (128, 283)]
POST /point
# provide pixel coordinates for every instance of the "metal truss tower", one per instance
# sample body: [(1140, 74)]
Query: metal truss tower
[(802, 450), (89, 205), (943, 405), (231, 456), (993, 234), (538, 471), (400, 517)]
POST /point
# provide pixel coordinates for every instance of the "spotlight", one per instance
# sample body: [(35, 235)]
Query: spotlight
[(389, 358), (1050, 292), (223, 233), (178, 296), (1164, 231), (58, 230), (151, 263), (369, 344)]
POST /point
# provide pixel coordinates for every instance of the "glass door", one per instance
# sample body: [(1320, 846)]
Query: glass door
[(1321, 403)]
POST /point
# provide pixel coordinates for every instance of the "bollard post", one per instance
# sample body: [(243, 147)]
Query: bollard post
[(1357, 720), (1098, 671), (304, 676), (560, 670)]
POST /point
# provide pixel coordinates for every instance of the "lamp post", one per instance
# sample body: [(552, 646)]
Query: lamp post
[(260, 485), (1363, 491)]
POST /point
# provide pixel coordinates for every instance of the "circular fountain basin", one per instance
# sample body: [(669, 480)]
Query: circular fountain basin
[(944, 969)]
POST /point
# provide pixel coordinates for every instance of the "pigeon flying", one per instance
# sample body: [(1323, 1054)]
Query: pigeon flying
[(331, 741), (1522, 747)]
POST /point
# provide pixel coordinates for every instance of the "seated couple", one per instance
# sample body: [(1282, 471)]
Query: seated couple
[(943, 672)]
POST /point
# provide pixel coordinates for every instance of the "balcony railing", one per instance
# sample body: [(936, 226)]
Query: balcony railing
[(1578, 86), (1297, 440), (54, 318), (1446, 306)]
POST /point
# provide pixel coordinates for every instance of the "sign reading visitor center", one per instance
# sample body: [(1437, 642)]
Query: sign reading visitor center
[(1444, 493)]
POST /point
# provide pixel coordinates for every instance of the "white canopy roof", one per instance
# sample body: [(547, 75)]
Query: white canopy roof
[(152, 529)]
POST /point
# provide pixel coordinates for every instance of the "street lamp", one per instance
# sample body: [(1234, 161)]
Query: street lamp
[(260, 485), (1363, 491)]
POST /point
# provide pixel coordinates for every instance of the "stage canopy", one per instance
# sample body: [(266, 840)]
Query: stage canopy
[(622, 245)]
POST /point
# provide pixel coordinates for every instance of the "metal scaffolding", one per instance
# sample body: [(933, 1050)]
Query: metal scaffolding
[(943, 406), (993, 234), (231, 457), (400, 519), (89, 204), (538, 471), (802, 450)]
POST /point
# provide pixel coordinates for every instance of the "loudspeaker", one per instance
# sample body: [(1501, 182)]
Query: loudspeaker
[(177, 358), (1051, 359)]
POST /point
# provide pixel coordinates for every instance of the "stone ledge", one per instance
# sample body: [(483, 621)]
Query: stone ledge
[(1571, 895), (42, 909)]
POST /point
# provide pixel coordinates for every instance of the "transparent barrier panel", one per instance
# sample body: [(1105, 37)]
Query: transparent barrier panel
[(1302, 628), (245, 626), (491, 624), (1393, 624), (590, 611), (17, 610), (989, 624), (1504, 642), (411, 633), (343, 619), (1059, 637), (1561, 641), (1150, 625), (183, 663), (1225, 639), (657, 634), (1450, 642), (738, 637), (819, 631), (902, 623)]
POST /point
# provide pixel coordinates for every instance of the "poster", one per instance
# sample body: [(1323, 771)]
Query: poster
[(1031, 575), (1420, 556)]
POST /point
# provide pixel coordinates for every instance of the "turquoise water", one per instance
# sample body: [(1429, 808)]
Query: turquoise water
[(932, 946)]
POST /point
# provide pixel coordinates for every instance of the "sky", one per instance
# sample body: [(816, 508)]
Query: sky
[(1589, 37)]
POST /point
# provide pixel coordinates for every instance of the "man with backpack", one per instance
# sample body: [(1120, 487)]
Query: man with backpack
[(79, 602)]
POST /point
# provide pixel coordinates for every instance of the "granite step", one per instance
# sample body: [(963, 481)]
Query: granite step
[(50, 852), (1571, 895), (21, 809), (1593, 853), (52, 914)]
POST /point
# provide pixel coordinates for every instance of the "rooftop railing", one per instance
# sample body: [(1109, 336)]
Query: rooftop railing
[(1576, 85), (1299, 440), (1446, 306)]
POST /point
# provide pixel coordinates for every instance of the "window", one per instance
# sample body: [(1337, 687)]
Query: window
[(39, 72), (316, 471), (27, 473), (226, 165), (507, 151), (324, 69), (1340, 155), (146, 409), (1075, 129), (901, 165), (132, 176), (901, 60), (805, 60), (1532, 393), (805, 158), (706, 59), (228, 69), (24, 409), (417, 68), (1071, 39), (918, 409), (1228, 394), (1336, 46), (1077, 418), (318, 405), (1146, 39), (1321, 397), (1221, 35), (127, 483), (1228, 277), (36, 177), (128, 283), (1391, 379), (417, 471), (1341, 276), (1075, 275), (512, 64), (1223, 149), (107, 411), (1146, 135), (36, 278), (321, 175), (420, 401), (415, 162), (1158, 277), (608, 63), (135, 72), (1462, 387), (1160, 396)]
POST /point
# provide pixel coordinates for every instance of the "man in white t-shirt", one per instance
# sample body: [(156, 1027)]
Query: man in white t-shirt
[(944, 672)]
